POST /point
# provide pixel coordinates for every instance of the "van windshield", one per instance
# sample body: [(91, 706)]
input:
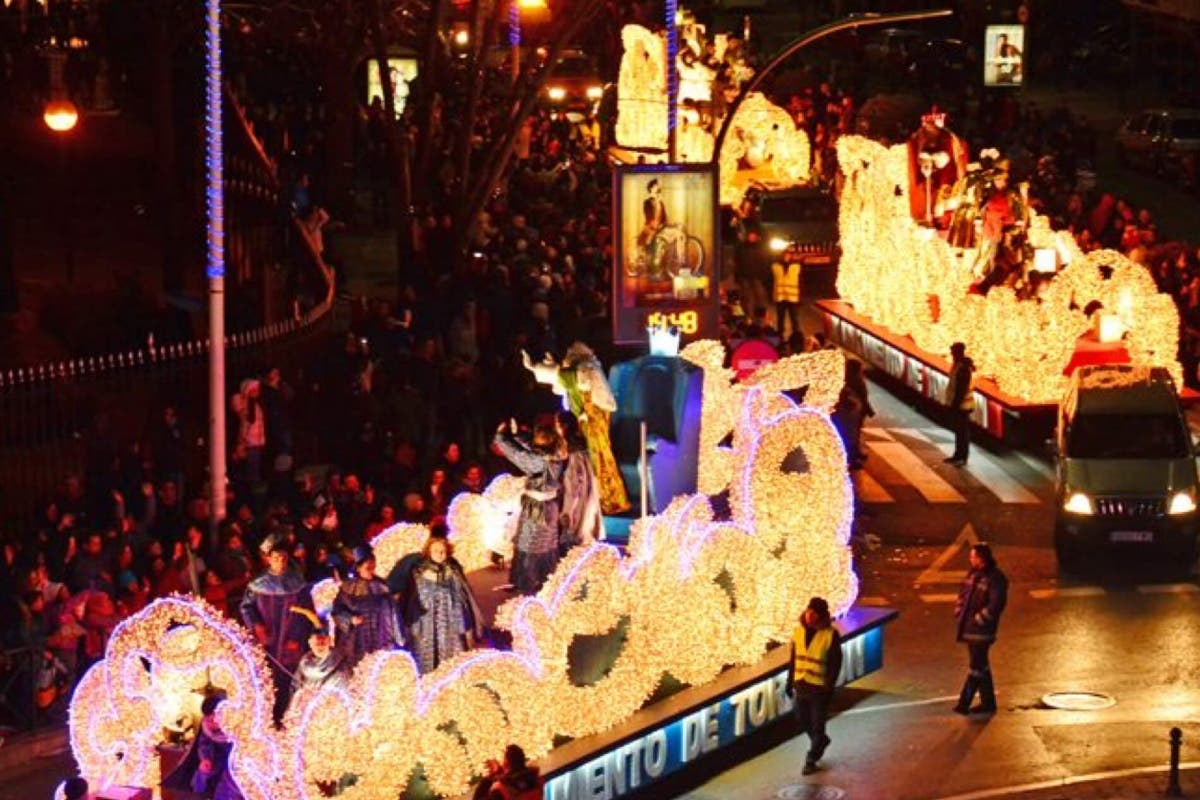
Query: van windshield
[(1127, 436)]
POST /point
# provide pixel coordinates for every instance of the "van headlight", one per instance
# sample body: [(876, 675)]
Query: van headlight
[(1182, 503), (595, 92), (778, 245), (556, 93), (1079, 503)]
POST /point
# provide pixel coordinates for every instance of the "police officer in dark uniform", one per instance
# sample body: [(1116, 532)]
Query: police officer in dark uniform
[(981, 601)]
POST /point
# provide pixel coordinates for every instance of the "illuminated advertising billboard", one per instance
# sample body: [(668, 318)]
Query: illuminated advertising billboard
[(666, 251), (403, 72), (1004, 55)]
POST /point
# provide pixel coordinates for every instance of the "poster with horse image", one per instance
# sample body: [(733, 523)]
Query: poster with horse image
[(666, 251)]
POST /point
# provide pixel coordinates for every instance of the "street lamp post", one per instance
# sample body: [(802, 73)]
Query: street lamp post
[(514, 38), (61, 117), (215, 259), (514, 29)]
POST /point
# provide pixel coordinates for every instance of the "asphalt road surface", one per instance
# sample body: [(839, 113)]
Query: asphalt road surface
[(1127, 630)]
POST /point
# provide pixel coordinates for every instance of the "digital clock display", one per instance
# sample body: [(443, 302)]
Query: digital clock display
[(688, 322)]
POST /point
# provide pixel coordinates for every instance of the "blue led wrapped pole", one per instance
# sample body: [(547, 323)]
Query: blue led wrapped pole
[(215, 257)]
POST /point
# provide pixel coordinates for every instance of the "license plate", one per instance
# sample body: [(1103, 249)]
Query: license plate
[(1132, 536)]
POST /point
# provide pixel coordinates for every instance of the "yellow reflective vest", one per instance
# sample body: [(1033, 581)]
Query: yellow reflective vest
[(787, 282), (812, 659)]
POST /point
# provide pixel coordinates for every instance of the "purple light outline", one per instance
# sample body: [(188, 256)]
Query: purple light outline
[(128, 665), (530, 660)]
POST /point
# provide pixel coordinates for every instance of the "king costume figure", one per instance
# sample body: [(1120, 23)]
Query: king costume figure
[(442, 615), (364, 610), (204, 770), (265, 611)]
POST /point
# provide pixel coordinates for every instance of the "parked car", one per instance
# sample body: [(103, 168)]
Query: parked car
[(1160, 139), (1126, 467)]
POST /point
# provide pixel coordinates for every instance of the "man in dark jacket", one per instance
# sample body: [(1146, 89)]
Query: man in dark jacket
[(514, 780), (961, 400), (816, 662), (981, 601)]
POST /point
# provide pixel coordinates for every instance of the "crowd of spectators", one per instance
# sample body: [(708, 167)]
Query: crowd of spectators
[(389, 425), (401, 409), (1055, 151)]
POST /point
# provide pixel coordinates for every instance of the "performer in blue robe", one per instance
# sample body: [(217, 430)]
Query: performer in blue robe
[(265, 611), (443, 617), (535, 552), (204, 769), (364, 610)]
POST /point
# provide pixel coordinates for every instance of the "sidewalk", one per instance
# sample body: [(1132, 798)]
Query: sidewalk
[(1136, 784)]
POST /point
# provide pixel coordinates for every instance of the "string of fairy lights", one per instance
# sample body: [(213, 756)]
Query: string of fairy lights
[(763, 135), (916, 284), (742, 581)]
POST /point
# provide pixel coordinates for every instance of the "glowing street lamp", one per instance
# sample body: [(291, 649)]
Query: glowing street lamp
[(515, 9), (60, 116)]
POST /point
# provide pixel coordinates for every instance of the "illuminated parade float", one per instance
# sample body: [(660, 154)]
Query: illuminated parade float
[(692, 594), (936, 251)]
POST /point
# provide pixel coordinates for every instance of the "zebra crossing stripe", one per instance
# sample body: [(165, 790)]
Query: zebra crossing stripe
[(932, 486), (940, 598), (994, 478), (1037, 465), (868, 489)]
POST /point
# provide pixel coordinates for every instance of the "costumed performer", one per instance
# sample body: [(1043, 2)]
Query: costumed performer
[(323, 664), (265, 611), (967, 198), (579, 522), (1003, 238), (364, 610), (586, 394), (937, 158), (442, 616), (204, 769), (535, 552)]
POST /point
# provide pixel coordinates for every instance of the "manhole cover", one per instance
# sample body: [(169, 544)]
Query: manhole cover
[(1078, 701), (809, 791)]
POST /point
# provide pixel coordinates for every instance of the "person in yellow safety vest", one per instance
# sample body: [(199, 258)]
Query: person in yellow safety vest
[(785, 275), (816, 662)]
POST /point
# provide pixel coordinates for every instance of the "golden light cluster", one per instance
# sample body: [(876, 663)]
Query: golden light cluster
[(157, 664), (763, 137), (642, 90), (743, 581), (906, 278), (823, 372)]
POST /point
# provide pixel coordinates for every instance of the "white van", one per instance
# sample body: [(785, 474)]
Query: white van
[(1126, 471)]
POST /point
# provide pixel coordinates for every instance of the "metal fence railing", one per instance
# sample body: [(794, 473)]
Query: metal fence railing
[(53, 415)]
